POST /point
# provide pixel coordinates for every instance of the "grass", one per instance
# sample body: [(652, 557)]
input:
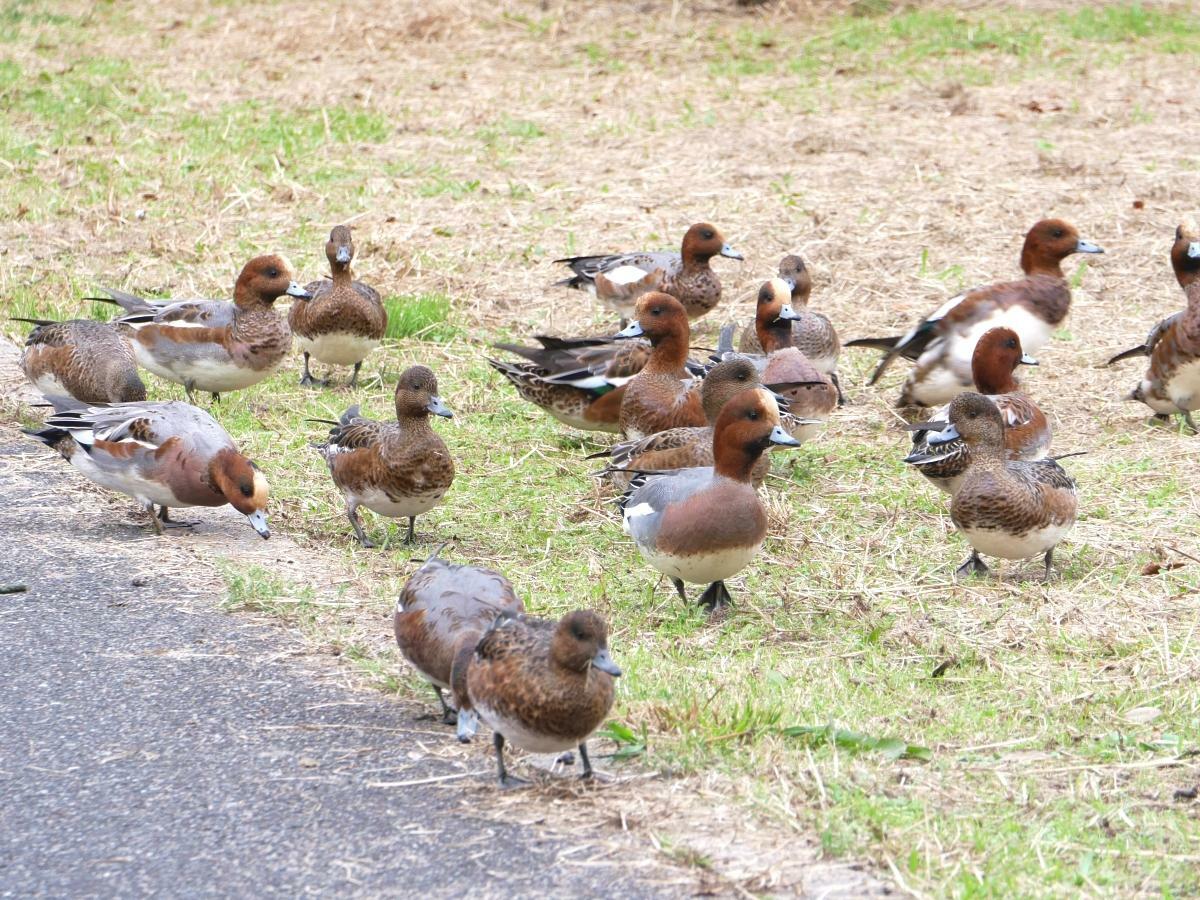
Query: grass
[(987, 738)]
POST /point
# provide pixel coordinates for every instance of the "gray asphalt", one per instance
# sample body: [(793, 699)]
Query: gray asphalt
[(150, 744)]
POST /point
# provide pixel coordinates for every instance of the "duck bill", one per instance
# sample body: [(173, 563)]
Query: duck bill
[(790, 282), (439, 408), (258, 519), (343, 256), (468, 724), (1087, 247), (728, 251), (945, 436), (1027, 360), (632, 330), (781, 438), (1194, 250), (294, 290), (604, 663), (788, 314)]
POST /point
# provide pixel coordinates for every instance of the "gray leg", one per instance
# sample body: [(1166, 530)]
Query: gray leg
[(838, 385), (307, 380), (412, 537), (680, 589), (715, 596), (449, 716), (354, 377), (587, 763), (216, 397), (149, 507), (352, 515), (973, 566), (1187, 417), (506, 780), (187, 388), (172, 523), (1049, 561)]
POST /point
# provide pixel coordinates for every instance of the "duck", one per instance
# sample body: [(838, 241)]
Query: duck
[(544, 686), (620, 279), (812, 332), (1171, 379), (1026, 431), (441, 613), (705, 524), (395, 469), (345, 319), (84, 359), (662, 395), (942, 343), (164, 453), (1012, 509), (214, 345)]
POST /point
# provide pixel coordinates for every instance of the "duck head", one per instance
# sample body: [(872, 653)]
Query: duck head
[(339, 249), (725, 381), (265, 279), (996, 356), (1185, 253), (580, 643), (702, 242), (417, 395), (747, 426), (793, 270), (975, 419), (244, 487), (1048, 243), (773, 316)]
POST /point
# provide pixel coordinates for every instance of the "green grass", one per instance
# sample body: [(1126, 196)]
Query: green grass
[(422, 316)]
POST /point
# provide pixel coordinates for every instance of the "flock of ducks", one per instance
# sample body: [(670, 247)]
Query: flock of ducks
[(695, 434)]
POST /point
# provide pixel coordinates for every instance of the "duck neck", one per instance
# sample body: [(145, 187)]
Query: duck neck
[(668, 354), (736, 461), (774, 335), (413, 422), (1033, 263), (992, 379), (341, 274)]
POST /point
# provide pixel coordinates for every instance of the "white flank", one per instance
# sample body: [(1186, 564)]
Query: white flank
[(379, 502), (1184, 386), (625, 274), (337, 348), (516, 733), (206, 374), (1007, 546), (701, 568)]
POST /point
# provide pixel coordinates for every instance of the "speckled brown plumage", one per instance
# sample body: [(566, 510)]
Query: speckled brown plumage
[(812, 332), (659, 396), (90, 361)]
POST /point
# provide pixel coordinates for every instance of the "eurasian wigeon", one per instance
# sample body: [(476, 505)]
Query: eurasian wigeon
[(1013, 509), (442, 612), (81, 358), (703, 525), (619, 280), (812, 332), (345, 319), (662, 395), (544, 686), (1026, 431), (1171, 385), (395, 469), (943, 342), (214, 345), (166, 453)]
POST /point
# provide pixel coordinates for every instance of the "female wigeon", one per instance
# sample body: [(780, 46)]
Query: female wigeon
[(704, 525), (619, 280), (81, 358), (345, 319), (812, 333), (545, 686), (943, 342), (395, 469), (1013, 509), (214, 345), (1171, 384), (1026, 431), (811, 395), (169, 454), (662, 395), (442, 611)]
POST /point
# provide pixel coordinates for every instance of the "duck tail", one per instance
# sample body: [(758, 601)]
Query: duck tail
[(725, 340), (1128, 354), (875, 343)]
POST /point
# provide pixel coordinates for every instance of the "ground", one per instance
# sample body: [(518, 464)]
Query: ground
[(903, 152)]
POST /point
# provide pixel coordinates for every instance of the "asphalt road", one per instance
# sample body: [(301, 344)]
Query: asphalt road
[(150, 744)]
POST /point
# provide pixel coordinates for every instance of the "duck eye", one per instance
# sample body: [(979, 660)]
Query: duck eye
[(656, 311), (272, 273), (752, 415), (247, 490), (707, 235), (1058, 232)]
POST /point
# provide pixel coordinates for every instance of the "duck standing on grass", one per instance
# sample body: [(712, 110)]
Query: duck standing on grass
[(81, 358), (703, 525), (1013, 509), (544, 686), (167, 453), (395, 469), (345, 319)]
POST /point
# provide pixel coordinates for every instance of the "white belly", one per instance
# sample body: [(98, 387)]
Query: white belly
[(49, 385), (337, 348), (939, 386), (1007, 546), (125, 481), (214, 375), (1146, 394), (1184, 386), (701, 568), (516, 733), (379, 502)]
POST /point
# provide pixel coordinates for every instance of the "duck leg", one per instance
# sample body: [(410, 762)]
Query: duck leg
[(188, 387), (352, 515), (354, 377), (172, 523), (216, 397), (149, 507), (678, 582), (973, 566), (587, 763), (307, 380), (506, 780), (1187, 417), (833, 376), (1049, 560), (412, 535), (449, 716), (715, 595)]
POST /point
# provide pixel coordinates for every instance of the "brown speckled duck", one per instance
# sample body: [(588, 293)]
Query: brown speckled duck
[(1013, 509), (81, 358), (345, 319), (441, 613), (619, 280), (395, 469), (543, 686)]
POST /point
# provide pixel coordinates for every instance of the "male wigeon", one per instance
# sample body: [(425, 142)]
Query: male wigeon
[(81, 358), (395, 469), (1013, 509), (166, 453), (619, 280), (1171, 384), (703, 525), (442, 611), (214, 345), (661, 395), (812, 332), (544, 686), (811, 395), (345, 319), (943, 342), (1026, 431)]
